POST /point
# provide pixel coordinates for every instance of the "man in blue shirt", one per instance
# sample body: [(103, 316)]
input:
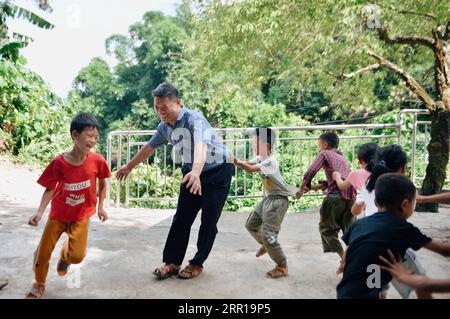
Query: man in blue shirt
[(206, 179)]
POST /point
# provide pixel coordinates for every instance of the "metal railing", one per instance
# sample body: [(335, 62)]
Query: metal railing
[(157, 179)]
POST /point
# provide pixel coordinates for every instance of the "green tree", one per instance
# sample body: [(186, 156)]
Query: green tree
[(144, 59), (319, 50)]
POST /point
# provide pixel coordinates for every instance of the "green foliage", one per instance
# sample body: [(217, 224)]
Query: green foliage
[(121, 97), (33, 121), (243, 64), (294, 52)]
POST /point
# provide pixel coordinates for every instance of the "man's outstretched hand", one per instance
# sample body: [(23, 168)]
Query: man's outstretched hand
[(123, 172)]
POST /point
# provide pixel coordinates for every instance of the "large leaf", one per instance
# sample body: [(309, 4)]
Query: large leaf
[(22, 37), (19, 12), (10, 49)]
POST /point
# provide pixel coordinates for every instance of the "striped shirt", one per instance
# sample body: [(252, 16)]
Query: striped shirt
[(331, 161)]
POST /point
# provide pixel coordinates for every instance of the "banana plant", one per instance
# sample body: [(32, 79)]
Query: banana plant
[(10, 45)]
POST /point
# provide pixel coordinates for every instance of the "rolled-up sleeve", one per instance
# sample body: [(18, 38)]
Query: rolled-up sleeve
[(313, 169), (159, 138)]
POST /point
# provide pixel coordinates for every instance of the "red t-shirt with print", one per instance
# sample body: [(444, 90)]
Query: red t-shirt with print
[(75, 197)]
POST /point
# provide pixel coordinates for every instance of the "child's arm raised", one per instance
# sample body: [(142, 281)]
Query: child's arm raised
[(46, 198), (342, 184), (102, 215), (246, 166), (439, 247)]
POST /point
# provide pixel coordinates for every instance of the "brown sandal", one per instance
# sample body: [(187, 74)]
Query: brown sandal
[(277, 272), (166, 271), (190, 271), (36, 291)]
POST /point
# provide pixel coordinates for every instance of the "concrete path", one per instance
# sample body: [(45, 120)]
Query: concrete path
[(123, 252)]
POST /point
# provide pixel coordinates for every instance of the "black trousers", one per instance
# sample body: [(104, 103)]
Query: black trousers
[(215, 187)]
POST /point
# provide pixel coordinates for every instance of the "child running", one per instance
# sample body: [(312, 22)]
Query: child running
[(70, 184), (389, 159), (335, 212), (372, 236), (417, 281), (357, 179), (264, 222)]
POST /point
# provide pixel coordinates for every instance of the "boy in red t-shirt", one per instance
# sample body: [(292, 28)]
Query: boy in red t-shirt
[(70, 181)]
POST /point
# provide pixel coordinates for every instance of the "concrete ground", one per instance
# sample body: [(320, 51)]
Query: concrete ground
[(123, 252)]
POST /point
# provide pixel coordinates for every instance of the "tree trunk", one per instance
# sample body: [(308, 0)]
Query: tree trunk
[(438, 149), (438, 156)]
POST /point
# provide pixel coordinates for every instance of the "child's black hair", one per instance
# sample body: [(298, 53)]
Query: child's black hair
[(389, 159), (392, 189), (367, 153), (266, 135), (83, 120), (166, 90), (331, 138)]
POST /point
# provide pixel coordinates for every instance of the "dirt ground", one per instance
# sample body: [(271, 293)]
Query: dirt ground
[(123, 252)]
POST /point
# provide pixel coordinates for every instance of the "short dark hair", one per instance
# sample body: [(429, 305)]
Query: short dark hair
[(392, 189), (166, 90), (83, 120), (331, 138), (266, 135), (367, 153)]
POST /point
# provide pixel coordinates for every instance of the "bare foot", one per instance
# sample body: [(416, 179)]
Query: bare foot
[(261, 251)]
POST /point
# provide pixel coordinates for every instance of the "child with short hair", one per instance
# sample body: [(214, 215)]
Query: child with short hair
[(357, 179), (335, 212), (264, 223), (70, 181), (371, 237), (397, 270)]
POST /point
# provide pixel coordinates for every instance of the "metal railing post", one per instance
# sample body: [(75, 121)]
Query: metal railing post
[(127, 181), (119, 165), (108, 181), (414, 146), (236, 137)]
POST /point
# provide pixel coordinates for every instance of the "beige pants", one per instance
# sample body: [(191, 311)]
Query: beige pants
[(264, 224)]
